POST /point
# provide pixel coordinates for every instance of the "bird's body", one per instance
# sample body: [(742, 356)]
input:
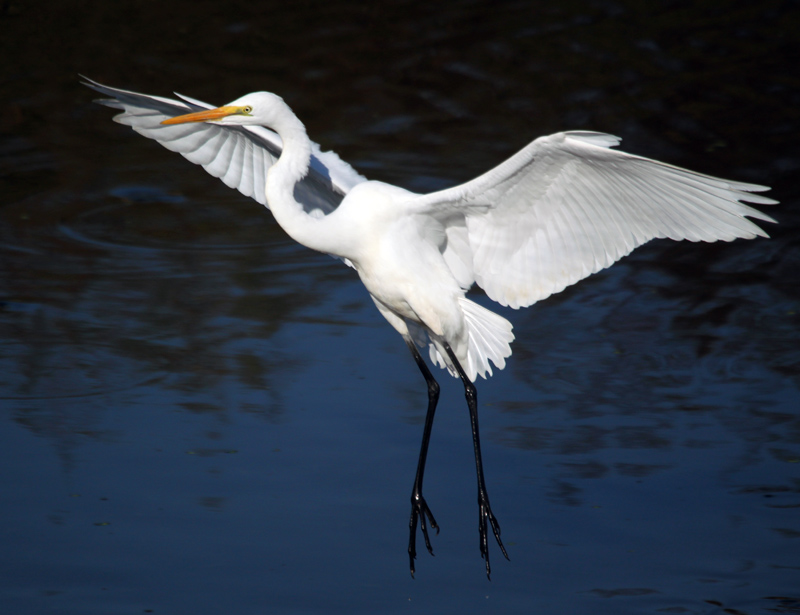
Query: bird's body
[(562, 208), (389, 263)]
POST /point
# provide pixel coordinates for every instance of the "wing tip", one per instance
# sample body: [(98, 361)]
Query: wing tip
[(589, 137)]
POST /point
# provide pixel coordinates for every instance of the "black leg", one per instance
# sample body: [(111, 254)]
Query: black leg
[(485, 511), (419, 508)]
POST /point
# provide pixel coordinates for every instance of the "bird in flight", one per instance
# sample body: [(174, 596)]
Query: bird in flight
[(565, 206)]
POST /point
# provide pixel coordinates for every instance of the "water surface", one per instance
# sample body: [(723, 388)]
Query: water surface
[(198, 415)]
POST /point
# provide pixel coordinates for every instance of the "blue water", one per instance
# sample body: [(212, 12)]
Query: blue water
[(199, 416)]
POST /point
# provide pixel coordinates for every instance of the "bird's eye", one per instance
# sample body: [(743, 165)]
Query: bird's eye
[(248, 109)]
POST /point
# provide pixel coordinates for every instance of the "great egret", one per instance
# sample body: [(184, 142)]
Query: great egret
[(557, 211)]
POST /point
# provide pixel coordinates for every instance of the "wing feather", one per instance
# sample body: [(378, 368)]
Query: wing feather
[(567, 206), (239, 155), (225, 147)]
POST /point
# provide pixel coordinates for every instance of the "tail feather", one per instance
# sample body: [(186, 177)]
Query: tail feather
[(490, 339)]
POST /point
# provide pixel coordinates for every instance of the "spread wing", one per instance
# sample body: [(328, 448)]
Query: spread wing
[(567, 206), (239, 155)]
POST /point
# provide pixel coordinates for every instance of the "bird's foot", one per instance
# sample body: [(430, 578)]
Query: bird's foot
[(419, 511), (486, 514)]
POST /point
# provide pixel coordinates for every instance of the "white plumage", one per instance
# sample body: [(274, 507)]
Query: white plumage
[(239, 155), (567, 206), (562, 208)]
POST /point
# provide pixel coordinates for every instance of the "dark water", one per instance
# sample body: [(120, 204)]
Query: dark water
[(199, 416)]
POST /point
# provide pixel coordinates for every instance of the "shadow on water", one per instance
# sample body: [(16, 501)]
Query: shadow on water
[(198, 415)]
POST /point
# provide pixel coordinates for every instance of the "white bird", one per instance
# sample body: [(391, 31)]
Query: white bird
[(560, 209)]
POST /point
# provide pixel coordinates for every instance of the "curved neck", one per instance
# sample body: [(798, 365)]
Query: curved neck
[(292, 166)]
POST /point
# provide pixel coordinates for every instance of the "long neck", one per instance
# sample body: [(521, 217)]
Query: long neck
[(283, 176)]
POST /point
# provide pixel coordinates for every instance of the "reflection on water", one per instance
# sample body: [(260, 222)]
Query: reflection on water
[(199, 415)]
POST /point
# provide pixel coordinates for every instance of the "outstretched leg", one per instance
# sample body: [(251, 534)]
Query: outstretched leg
[(419, 508), (485, 511)]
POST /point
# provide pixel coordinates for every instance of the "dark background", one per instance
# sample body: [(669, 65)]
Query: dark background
[(199, 416)]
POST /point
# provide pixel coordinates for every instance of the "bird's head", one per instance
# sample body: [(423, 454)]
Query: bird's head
[(256, 109)]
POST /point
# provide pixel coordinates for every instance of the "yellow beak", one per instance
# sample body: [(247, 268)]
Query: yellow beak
[(211, 115)]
